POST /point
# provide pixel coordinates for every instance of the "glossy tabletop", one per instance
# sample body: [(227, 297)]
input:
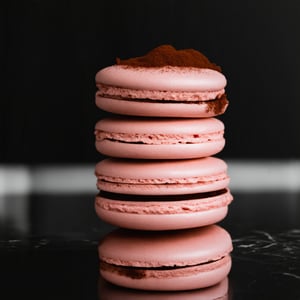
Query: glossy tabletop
[(48, 247)]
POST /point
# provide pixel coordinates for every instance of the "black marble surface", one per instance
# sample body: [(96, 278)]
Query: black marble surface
[(48, 246)]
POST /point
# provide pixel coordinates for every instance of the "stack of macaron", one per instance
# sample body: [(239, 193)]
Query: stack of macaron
[(160, 182)]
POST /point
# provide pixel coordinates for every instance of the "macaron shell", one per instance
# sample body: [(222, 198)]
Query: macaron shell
[(171, 126), (158, 109), (164, 78), (162, 222), (156, 169), (168, 151), (164, 215)]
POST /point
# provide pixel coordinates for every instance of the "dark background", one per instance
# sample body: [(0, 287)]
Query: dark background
[(51, 50)]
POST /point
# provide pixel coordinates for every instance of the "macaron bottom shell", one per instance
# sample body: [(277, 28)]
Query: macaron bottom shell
[(168, 151), (200, 109), (163, 222), (173, 279)]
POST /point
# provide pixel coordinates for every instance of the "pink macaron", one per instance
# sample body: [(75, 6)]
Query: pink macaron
[(159, 138), (166, 260), (163, 83), (162, 195), (165, 92)]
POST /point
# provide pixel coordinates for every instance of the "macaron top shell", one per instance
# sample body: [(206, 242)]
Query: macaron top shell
[(166, 248), (164, 78), (160, 125), (157, 169)]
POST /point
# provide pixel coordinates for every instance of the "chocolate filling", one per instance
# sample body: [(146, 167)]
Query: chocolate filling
[(140, 272), (159, 198), (140, 143), (131, 272)]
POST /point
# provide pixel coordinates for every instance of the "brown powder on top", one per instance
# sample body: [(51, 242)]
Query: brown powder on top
[(167, 55)]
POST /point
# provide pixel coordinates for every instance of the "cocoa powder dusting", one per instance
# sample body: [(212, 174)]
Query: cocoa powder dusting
[(219, 105), (167, 55)]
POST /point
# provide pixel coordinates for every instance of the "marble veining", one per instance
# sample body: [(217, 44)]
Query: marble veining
[(280, 251)]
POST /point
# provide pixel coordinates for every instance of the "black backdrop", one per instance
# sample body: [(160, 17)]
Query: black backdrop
[(51, 51)]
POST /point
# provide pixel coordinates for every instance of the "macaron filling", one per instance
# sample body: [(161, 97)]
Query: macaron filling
[(158, 139), (163, 272)]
